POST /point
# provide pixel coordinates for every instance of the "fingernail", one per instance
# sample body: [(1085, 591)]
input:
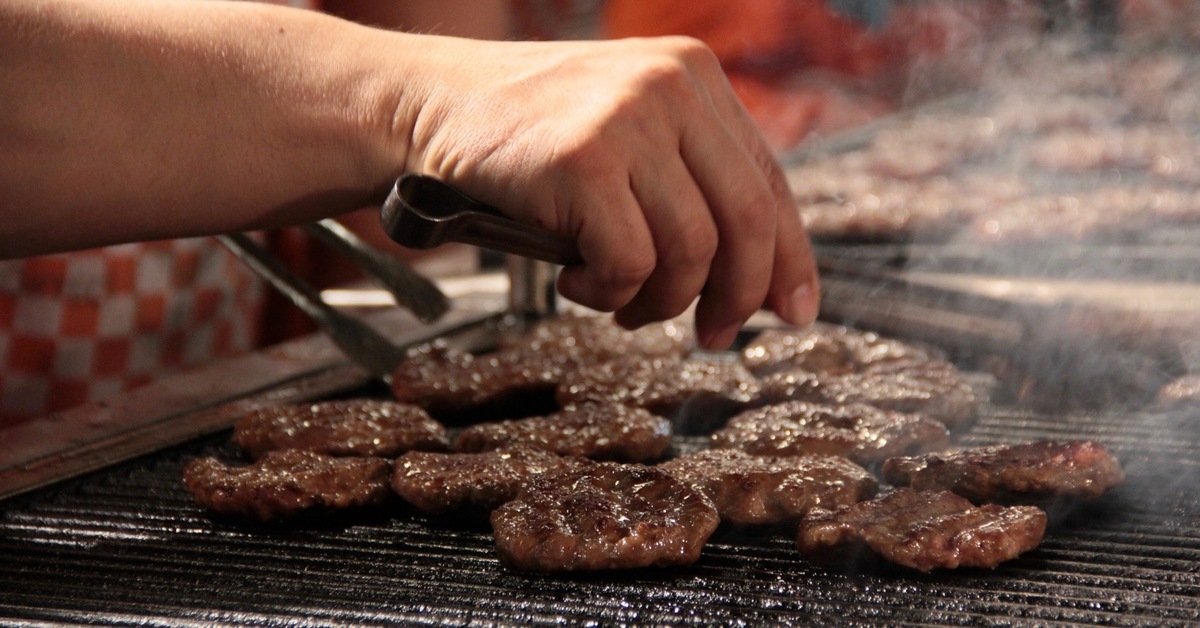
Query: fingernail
[(722, 338), (801, 307)]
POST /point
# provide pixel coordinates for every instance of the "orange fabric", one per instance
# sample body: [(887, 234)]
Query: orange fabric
[(800, 66)]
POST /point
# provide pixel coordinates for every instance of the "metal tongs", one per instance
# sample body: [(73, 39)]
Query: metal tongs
[(422, 212)]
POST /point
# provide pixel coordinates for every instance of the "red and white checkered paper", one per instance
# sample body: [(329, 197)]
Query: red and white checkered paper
[(82, 326)]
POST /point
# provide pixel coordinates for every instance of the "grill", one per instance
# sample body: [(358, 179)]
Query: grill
[(127, 545)]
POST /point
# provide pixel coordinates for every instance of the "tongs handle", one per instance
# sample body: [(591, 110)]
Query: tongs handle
[(422, 212)]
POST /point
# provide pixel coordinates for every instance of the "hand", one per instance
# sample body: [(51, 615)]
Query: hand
[(640, 151)]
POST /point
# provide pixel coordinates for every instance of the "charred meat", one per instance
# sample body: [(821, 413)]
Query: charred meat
[(444, 482), (1027, 473), (862, 433), (602, 431), (772, 489), (827, 349), (287, 483), (932, 388), (360, 427), (604, 516), (923, 530), (661, 385)]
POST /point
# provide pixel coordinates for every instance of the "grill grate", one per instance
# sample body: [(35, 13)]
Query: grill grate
[(128, 546)]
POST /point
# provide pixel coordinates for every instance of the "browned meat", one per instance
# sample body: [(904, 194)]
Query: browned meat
[(603, 516), (932, 388), (358, 427), (448, 382), (602, 431), (524, 370), (862, 433), (826, 349), (1026, 473), (922, 530), (600, 338), (287, 483), (771, 489), (661, 385), (441, 482)]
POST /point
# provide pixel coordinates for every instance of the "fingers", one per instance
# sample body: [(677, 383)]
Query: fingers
[(617, 248), (685, 241)]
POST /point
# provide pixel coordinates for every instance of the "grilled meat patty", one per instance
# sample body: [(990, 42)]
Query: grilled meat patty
[(771, 489), (358, 427), (444, 482), (828, 349), (924, 530), (602, 431), (662, 385), (603, 516), (932, 388), (525, 368), (286, 483), (862, 433), (1025, 473)]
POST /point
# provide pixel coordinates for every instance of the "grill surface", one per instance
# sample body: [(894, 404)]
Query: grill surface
[(128, 546)]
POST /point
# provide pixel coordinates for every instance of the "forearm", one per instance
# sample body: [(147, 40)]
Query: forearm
[(130, 120)]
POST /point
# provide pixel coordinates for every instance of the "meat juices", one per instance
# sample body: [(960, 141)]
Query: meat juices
[(602, 431), (1027, 473), (921, 530), (603, 516), (661, 385), (1179, 391), (442, 482), (862, 433), (770, 489), (360, 427), (286, 483), (599, 338)]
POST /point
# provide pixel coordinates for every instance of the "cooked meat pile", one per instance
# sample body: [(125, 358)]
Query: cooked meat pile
[(442, 482), (771, 489), (1029, 473), (1105, 157), (287, 483), (862, 433), (924, 530), (565, 490), (603, 516), (601, 431), (356, 427)]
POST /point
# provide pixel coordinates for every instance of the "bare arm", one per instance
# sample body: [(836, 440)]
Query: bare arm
[(140, 119)]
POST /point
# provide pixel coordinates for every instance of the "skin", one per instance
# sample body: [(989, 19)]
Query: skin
[(134, 120)]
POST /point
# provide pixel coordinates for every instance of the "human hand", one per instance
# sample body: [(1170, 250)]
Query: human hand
[(639, 150)]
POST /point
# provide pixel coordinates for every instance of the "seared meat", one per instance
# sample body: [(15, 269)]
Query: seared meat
[(448, 382), (359, 427), (599, 338), (441, 482), (826, 349), (661, 385), (932, 388), (603, 431), (1026, 473), (770, 489), (862, 433), (286, 483), (922, 530), (603, 516), (524, 370)]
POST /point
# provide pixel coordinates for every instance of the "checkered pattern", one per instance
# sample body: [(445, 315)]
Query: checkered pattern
[(82, 326)]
